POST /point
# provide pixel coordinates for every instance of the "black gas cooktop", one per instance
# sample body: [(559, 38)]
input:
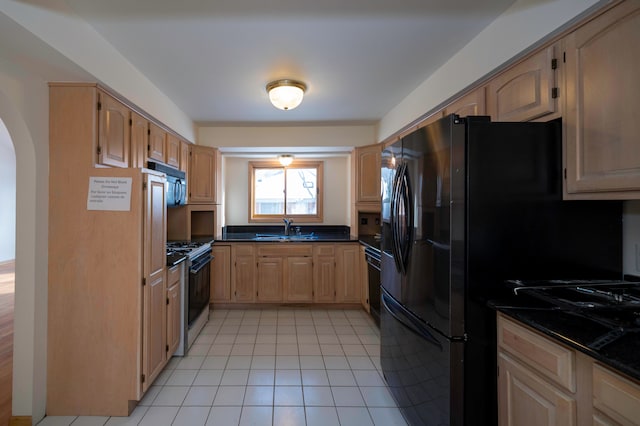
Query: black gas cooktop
[(614, 305)]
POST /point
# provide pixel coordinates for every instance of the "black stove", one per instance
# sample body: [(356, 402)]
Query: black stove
[(178, 250), (613, 307)]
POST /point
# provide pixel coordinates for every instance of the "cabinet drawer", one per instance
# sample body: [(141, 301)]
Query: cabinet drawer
[(552, 360), (279, 249), (243, 249), (323, 250), (173, 275), (616, 396)]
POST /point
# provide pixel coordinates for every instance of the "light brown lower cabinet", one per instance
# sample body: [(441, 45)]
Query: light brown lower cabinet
[(324, 273), (347, 273), (299, 279), (542, 382), (270, 275), (287, 273), (174, 275), (220, 274)]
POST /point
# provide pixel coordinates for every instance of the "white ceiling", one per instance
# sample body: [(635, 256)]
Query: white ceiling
[(359, 58)]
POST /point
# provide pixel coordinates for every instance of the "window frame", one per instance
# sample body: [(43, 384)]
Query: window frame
[(298, 218)]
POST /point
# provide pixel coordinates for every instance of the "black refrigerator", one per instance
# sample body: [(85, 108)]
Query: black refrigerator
[(467, 204)]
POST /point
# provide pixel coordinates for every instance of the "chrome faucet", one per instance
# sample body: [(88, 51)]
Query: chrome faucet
[(287, 225)]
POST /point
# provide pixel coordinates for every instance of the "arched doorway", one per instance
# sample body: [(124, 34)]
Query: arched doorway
[(7, 268), (30, 303)]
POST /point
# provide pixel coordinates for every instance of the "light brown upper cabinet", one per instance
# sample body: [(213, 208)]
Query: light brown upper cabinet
[(602, 104), (113, 132), (184, 156), (526, 91), (157, 141), (368, 174), (139, 140), (473, 103), (172, 151), (202, 175)]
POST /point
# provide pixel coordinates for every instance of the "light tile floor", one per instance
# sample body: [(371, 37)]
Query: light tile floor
[(273, 367)]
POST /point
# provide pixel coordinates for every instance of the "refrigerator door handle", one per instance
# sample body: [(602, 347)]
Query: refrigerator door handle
[(404, 189), (396, 311), (395, 228)]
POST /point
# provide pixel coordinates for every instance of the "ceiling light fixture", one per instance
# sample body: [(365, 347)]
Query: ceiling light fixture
[(286, 94), (285, 159)]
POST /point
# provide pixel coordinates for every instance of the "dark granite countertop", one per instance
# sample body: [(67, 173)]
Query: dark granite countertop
[(576, 331), (270, 233)]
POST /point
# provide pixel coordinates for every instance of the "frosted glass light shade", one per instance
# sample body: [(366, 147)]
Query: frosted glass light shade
[(286, 94), (285, 159)]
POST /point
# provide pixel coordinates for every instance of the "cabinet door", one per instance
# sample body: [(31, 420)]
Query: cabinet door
[(525, 399), (368, 173), (139, 140), (364, 280), (244, 273), (154, 294), (270, 276), (299, 279), (184, 157), (472, 104), (347, 273), (202, 176), (221, 274), (324, 273), (172, 151), (616, 396), (602, 126), (524, 92), (157, 140), (113, 133), (173, 319)]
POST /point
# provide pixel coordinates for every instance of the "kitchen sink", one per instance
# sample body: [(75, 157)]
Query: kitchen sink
[(283, 238)]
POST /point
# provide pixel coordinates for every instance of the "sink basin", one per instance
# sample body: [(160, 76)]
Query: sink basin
[(272, 237)]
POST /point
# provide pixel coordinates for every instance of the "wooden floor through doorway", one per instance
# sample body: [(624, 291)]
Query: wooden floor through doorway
[(7, 291)]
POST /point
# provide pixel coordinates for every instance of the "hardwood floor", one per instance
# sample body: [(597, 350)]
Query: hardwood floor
[(7, 290)]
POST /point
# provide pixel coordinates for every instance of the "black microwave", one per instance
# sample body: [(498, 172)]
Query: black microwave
[(176, 183)]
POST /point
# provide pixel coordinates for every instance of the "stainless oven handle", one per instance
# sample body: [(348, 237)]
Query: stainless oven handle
[(201, 264)]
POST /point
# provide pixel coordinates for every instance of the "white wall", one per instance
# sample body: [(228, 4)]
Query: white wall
[(24, 111), (286, 136), (7, 195), (336, 190), (79, 42), (516, 30)]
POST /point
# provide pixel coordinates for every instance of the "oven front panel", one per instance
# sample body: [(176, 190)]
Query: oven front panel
[(199, 290)]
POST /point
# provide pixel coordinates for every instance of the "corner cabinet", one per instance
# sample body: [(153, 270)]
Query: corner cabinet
[(348, 273), (602, 104), (368, 159), (220, 274), (243, 272), (202, 175)]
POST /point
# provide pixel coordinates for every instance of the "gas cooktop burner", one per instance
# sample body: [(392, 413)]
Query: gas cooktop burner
[(612, 304), (191, 249)]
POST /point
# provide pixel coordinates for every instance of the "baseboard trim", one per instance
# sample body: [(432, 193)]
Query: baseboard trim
[(20, 421)]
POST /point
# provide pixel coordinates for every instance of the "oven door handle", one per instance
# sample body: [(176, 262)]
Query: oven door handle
[(198, 266)]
